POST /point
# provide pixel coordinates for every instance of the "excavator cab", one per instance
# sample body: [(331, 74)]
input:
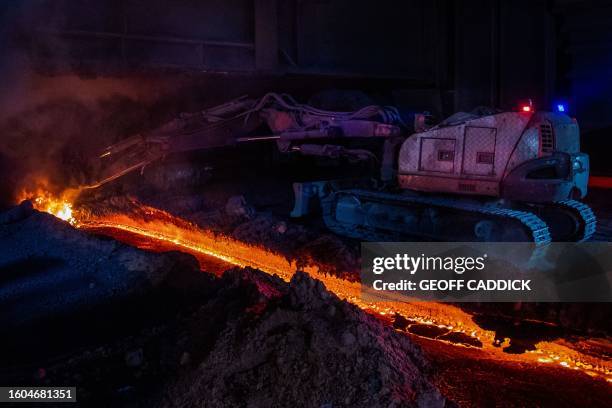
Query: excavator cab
[(559, 172)]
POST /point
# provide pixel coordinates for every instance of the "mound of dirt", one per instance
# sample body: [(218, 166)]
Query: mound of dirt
[(305, 347)]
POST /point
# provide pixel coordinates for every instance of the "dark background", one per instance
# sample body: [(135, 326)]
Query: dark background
[(163, 57)]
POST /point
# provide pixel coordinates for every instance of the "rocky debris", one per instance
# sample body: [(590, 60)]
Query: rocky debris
[(306, 348), (237, 207), (49, 268), (280, 227), (330, 253), (245, 210)]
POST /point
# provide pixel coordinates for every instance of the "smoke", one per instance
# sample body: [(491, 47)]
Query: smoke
[(53, 122), (51, 128)]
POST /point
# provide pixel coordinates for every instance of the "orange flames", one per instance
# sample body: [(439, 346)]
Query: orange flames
[(167, 231), (60, 205)]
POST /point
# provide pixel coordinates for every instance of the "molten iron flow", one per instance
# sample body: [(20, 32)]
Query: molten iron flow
[(165, 231)]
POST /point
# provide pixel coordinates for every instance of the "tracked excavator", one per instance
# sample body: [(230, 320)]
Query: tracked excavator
[(493, 176)]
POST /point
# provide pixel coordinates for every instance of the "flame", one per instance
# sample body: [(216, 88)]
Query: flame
[(60, 205), (60, 208)]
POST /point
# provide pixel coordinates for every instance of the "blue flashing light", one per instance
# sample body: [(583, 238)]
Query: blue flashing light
[(561, 107)]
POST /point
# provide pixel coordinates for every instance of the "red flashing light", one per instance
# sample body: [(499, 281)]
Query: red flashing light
[(526, 108)]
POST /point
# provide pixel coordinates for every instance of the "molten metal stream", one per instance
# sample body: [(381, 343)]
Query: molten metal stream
[(160, 226)]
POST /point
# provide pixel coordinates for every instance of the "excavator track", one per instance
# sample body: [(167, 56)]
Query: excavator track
[(568, 220), (379, 216), (587, 222)]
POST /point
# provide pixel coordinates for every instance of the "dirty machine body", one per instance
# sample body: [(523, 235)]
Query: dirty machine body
[(511, 176)]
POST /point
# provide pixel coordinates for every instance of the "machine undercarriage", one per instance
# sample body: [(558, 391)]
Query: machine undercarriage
[(375, 215)]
